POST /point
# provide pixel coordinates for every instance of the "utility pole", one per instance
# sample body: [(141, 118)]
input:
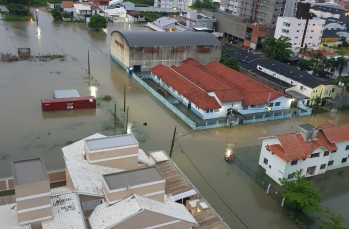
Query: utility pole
[(231, 113), (88, 62), (37, 17), (173, 140), (124, 96), (126, 120)]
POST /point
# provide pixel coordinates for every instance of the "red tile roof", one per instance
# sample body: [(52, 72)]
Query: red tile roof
[(322, 141), (68, 4), (188, 89), (326, 124), (324, 53), (336, 133)]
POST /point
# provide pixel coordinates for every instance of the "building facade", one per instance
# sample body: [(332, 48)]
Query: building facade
[(301, 32), (174, 4), (144, 50), (318, 150)]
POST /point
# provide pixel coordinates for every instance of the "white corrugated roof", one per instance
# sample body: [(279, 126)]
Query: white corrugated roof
[(87, 178), (8, 217), (142, 157), (105, 216), (82, 7), (66, 211)]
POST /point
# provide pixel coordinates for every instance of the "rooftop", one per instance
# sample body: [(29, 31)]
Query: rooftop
[(66, 211), (293, 146), (334, 20), (331, 10), (334, 33), (105, 216), (323, 52), (134, 13), (208, 220), (59, 94), (68, 4), (8, 217), (164, 21), (82, 6), (132, 177), (29, 171), (153, 38), (111, 142), (158, 156), (307, 127)]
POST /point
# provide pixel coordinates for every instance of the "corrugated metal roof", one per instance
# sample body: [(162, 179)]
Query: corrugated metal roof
[(154, 38), (59, 94)]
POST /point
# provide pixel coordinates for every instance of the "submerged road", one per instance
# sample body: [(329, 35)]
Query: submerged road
[(234, 196)]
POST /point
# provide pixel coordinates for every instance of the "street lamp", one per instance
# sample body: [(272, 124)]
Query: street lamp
[(37, 18)]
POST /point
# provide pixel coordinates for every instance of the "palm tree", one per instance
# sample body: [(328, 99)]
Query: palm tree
[(318, 59), (303, 50), (330, 64), (345, 81), (341, 62)]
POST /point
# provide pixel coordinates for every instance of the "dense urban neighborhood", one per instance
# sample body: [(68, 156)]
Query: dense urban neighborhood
[(202, 114)]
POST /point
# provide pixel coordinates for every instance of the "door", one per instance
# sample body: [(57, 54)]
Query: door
[(189, 105), (136, 68)]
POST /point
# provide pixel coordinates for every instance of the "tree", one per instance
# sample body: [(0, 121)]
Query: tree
[(278, 49), (205, 4), (97, 22), (301, 194), (330, 64), (57, 16), (331, 220), (345, 44), (341, 62), (303, 50), (223, 56), (345, 81), (318, 59), (304, 64), (232, 63)]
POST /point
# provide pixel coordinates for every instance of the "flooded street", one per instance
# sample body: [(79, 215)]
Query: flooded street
[(28, 132)]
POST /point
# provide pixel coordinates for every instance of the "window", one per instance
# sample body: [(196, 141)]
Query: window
[(323, 166), (271, 104), (277, 104), (330, 163), (334, 151), (296, 37), (315, 155), (313, 24), (285, 31), (290, 176), (344, 160), (346, 148), (299, 23), (333, 90), (252, 106), (297, 31), (265, 161), (310, 37), (245, 107), (294, 43), (301, 87), (287, 24), (294, 162), (269, 166), (312, 31), (326, 153)]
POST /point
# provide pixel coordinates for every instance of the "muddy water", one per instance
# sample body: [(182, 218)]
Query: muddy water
[(27, 132)]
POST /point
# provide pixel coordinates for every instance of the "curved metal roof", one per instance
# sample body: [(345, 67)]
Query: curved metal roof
[(150, 39)]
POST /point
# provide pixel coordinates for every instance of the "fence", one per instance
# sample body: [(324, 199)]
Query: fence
[(301, 219), (264, 117)]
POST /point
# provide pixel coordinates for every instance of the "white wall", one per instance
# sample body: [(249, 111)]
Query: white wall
[(275, 168), (285, 103), (314, 33), (293, 28), (339, 155), (68, 10)]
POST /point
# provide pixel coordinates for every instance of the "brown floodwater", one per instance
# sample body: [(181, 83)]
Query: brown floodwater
[(28, 132)]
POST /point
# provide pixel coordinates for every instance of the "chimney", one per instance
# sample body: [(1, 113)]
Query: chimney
[(196, 206), (308, 132), (32, 191)]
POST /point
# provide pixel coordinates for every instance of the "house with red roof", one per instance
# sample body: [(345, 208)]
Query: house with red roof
[(211, 90), (68, 6), (310, 150)]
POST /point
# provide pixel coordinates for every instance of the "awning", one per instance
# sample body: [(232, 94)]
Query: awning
[(296, 95)]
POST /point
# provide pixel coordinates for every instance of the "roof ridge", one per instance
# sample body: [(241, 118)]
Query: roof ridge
[(186, 79)]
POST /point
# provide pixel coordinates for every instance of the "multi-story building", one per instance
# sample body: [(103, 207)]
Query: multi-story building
[(174, 4), (110, 183), (301, 30), (310, 150), (264, 11)]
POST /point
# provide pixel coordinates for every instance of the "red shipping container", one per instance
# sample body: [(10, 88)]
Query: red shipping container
[(68, 103)]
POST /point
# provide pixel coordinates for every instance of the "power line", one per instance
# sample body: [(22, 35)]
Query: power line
[(182, 150)]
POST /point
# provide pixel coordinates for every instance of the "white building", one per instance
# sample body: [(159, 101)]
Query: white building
[(174, 4), (311, 151), (116, 14), (82, 11), (295, 29), (211, 91)]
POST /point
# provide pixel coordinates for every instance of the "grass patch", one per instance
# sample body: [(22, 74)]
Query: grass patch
[(149, 2), (11, 17)]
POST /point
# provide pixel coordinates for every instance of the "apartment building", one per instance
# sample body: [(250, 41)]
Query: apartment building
[(174, 4), (264, 11), (301, 32), (146, 191), (310, 150), (303, 29)]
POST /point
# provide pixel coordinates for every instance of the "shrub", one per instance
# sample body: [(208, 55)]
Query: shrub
[(66, 15), (97, 22), (18, 9)]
